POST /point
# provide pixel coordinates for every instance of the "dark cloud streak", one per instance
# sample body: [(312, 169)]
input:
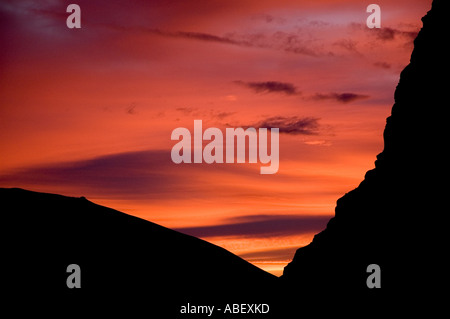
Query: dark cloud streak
[(340, 97), (282, 41), (261, 226), (387, 34), (270, 87), (383, 65), (123, 175), (141, 175), (291, 125)]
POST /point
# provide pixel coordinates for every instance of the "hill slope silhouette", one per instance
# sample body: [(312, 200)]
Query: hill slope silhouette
[(393, 218), (126, 262)]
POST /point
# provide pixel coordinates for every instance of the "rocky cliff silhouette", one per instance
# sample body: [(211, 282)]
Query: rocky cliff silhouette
[(394, 217)]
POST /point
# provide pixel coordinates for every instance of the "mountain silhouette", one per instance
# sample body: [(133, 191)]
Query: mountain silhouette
[(125, 262), (393, 218)]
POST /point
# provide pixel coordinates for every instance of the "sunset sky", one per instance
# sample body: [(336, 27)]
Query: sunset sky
[(90, 112)]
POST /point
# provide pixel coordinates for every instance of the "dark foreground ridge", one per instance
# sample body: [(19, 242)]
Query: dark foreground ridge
[(393, 219), (126, 262)]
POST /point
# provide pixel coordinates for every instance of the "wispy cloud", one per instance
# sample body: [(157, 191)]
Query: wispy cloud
[(291, 125), (348, 44), (186, 110), (261, 226), (290, 89), (382, 64), (198, 36), (148, 175), (270, 87), (388, 34), (202, 37), (339, 97), (288, 41), (221, 115), (131, 109), (131, 174)]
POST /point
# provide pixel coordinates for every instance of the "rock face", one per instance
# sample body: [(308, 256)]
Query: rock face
[(394, 217), (127, 263)]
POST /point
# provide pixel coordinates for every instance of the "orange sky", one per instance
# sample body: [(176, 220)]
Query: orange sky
[(89, 112)]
